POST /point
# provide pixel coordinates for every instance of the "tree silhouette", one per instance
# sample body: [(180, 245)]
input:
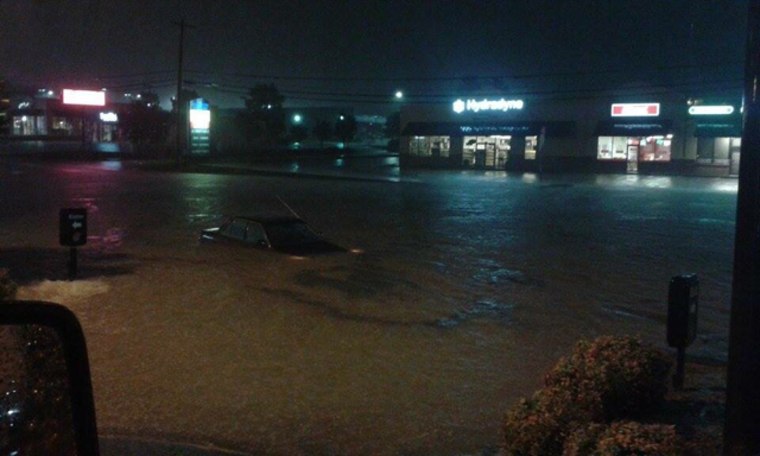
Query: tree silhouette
[(264, 118), (345, 128), (322, 131)]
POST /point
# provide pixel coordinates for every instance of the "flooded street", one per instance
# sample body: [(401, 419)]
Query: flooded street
[(461, 290)]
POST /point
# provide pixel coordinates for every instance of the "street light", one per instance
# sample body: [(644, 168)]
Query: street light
[(399, 95), (297, 118)]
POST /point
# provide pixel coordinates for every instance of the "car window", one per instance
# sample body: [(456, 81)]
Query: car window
[(235, 230), (290, 233), (255, 234)]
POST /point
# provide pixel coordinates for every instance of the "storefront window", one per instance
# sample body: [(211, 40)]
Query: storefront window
[(486, 151), (612, 148), (29, 125), (61, 126), (531, 144), (717, 151), (430, 146), (651, 148)]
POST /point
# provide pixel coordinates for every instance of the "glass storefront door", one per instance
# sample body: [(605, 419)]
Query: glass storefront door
[(633, 159), (489, 152)]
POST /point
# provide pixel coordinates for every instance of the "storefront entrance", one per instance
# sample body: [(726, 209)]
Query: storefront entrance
[(486, 152), (633, 159)]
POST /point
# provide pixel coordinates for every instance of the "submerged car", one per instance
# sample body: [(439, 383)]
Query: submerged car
[(287, 234)]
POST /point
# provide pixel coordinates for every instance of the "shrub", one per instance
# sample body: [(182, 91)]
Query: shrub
[(608, 378), (628, 377), (538, 426), (583, 440), (623, 438), (7, 286)]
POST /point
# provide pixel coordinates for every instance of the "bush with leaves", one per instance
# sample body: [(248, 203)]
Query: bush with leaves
[(539, 425), (602, 380), (628, 377), (624, 438)]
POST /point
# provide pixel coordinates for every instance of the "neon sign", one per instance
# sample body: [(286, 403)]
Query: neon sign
[(109, 117), (485, 104), (707, 110), (635, 110), (84, 97)]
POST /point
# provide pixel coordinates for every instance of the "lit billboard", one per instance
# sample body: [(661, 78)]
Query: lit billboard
[(84, 97)]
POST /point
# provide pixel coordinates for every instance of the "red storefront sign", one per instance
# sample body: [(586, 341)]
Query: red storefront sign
[(635, 109)]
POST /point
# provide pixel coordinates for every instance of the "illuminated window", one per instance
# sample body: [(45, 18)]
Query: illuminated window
[(614, 147), (486, 151), (430, 146), (650, 148), (531, 144)]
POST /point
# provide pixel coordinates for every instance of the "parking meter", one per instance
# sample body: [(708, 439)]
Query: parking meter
[(683, 303), (72, 230)]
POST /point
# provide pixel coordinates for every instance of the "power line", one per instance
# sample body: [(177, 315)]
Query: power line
[(519, 76)]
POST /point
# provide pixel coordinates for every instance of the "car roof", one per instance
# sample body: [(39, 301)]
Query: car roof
[(267, 218)]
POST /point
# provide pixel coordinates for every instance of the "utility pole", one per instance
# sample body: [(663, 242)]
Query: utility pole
[(741, 433), (179, 103)]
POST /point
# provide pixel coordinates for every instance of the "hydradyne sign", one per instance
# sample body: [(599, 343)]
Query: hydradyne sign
[(485, 104)]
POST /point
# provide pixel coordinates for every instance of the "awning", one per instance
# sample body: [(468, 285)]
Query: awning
[(520, 128), (718, 127), (26, 112), (634, 127)]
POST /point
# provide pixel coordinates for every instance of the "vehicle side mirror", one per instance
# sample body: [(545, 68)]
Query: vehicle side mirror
[(46, 402)]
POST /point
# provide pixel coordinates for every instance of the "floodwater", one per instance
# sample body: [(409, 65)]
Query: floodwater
[(461, 290)]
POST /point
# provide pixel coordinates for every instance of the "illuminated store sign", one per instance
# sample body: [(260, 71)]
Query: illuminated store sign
[(200, 116), (635, 109), (84, 97), (707, 110), (485, 104), (200, 122), (109, 117)]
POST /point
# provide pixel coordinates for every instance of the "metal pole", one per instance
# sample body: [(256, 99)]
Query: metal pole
[(72, 263), (741, 434), (680, 371), (179, 104)]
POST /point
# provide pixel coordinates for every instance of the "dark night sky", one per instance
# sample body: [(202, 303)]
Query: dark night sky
[(431, 49)]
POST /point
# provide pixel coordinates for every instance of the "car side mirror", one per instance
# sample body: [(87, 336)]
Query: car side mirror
[(46, 402)]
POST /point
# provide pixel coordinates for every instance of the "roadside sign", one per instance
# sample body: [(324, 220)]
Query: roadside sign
[(72, 227)]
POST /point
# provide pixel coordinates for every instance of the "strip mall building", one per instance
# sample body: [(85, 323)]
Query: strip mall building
[(651, 135)]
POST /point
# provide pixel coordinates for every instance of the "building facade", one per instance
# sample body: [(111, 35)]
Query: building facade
[(653, 134)]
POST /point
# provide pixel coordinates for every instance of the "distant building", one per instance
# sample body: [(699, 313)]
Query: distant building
[(48, 118)]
